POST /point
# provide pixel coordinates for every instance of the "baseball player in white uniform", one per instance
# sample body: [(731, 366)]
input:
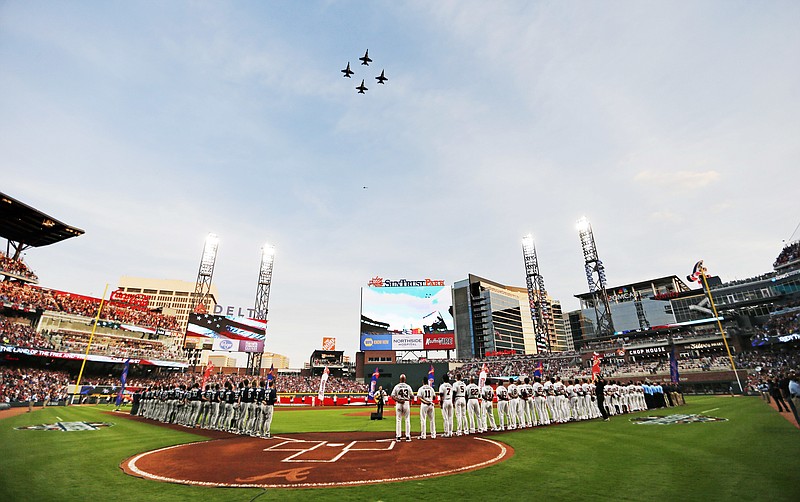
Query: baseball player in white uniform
[(402, 395), (540, 401), (502, 404), (426, 395), (473, 406), (487, 408), (513, 403), (446, 401), (460, 405)]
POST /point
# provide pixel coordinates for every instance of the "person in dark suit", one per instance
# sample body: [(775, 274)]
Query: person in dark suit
[(599, 390), (380, 399)]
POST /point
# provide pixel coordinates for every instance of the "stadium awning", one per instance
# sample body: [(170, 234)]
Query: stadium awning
[(28, 227)]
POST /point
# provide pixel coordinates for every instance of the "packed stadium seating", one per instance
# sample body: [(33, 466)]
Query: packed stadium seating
[(16, 268), (18, 385), (21, 335), (21, 295), (789, 254)]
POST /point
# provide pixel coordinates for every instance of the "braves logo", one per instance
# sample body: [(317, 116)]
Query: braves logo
[(66, 426), (676, 419)]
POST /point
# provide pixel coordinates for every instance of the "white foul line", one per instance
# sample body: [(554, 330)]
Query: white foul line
[(709, 411)]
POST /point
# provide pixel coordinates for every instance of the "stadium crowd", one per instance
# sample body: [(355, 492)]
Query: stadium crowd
[(17, 268), (788, 254), (21, 335), (20, 385), (24, 296)]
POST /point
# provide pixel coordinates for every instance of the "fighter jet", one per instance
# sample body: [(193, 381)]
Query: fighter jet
[(361, 88), (365, 60), (347, 71), (381, 78)]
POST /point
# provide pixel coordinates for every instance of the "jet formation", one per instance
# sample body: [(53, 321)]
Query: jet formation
[(365, 61)]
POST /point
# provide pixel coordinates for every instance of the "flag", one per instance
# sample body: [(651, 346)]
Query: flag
[(123, 379), (539, 371), (271, 372), (482, 377), (322, 382), (207, 374), (673, 366), (373, 385), (430, 376), (697, 273), (595, 365)]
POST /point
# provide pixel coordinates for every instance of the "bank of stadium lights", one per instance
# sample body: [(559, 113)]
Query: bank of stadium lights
[(267, 252), (583, 224), (527, 241)]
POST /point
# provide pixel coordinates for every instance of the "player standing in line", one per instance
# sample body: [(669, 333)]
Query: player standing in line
[(245, 400), (260, 393), (205, 406), (402, 394), (193, 398), (487, 407), (513, 403), (561, 402), (229, 399), (540, 401), (265, 422), (446, 401), (522, 420), (215, 400), (502, 404), (426, 395), (460, 405), (473, 406), (551, 398), (527, 403)]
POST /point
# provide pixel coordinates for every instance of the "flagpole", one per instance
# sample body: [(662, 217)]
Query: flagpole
[(719, 323), (89, 345)]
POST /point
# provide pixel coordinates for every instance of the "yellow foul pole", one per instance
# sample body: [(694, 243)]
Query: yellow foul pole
[(719, 323), (89, 345)]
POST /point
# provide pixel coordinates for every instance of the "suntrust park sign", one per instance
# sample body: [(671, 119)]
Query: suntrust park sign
[(380, 282)]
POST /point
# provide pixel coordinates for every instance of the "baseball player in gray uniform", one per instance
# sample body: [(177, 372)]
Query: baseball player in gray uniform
[(402, 395)]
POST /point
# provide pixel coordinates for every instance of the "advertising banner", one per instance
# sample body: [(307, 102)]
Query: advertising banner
[(328, 343), (407, 341), (251, 346), (372, 341), (225, 344), (439, 341)]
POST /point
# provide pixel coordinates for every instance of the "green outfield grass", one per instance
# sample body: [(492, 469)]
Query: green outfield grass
[(755, 455)]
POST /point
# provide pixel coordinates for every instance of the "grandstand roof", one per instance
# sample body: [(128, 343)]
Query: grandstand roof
[(28, 226)]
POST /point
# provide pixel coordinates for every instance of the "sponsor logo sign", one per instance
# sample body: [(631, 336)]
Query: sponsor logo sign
[(251, 346), (328, 343), (676, 419), (66, 426), (648, 350), (439, 341), (224, 344), (380, 282), (375, 341), (407, 341)]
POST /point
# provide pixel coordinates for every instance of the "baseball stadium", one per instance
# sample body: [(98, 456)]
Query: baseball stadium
[(651, 391)]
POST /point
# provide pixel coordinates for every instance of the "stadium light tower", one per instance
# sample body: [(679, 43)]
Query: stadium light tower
[(202, 287), (596, 277), (261, 307), (264, 282), (537, 296)]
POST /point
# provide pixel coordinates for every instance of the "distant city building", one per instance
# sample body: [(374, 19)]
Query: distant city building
[(167, 293), (491, 317), (278, 360)]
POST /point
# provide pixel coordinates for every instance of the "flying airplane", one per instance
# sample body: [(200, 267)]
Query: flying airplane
[(361, 88), (365, 60), (381, 78), (347, 71)]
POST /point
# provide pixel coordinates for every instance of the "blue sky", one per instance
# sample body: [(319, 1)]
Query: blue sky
[(672, 126)]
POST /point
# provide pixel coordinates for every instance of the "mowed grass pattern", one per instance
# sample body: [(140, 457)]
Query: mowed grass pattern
[(755, 455)]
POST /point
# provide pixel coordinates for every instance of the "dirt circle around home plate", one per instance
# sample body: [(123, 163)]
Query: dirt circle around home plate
[(315, 460)]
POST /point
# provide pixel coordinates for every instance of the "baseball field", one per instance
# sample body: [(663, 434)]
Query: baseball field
[(751, 453)]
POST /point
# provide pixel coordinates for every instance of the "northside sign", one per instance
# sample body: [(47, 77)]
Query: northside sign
[(380, 282)]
